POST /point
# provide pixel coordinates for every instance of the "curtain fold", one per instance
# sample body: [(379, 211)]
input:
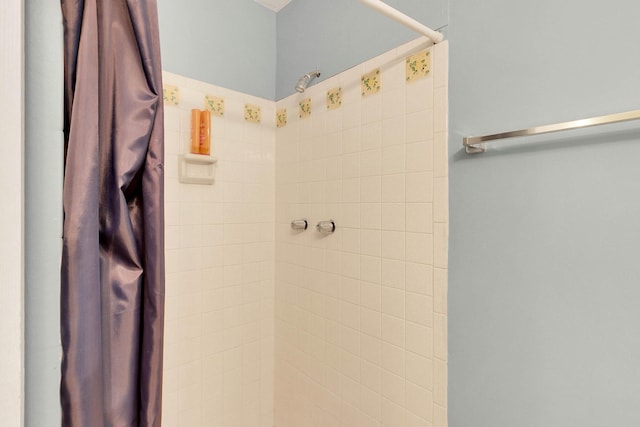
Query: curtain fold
[(112, 295)]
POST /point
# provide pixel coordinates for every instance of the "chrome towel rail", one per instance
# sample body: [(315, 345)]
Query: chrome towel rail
[(475, 144)]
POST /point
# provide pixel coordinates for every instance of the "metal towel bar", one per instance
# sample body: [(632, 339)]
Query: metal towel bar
[(474, 144)]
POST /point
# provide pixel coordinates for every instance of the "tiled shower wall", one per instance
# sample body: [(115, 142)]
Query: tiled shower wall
[(219, 345), (361, 313)]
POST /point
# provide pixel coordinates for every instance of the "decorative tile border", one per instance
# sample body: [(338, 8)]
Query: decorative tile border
[(305, 108), (334, 98), (252, 113), (171, 95), (214, 104), (370, 82), (418, 65), (281, 118)]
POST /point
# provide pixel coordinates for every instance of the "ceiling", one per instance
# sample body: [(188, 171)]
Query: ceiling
[(274, 5)]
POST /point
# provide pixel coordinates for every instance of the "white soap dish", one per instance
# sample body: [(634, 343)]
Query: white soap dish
[(196, 168)]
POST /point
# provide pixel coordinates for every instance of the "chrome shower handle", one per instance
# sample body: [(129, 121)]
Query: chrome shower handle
[(326, 227), (299, 224)]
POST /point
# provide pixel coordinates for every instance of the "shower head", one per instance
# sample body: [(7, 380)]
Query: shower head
[(304, 80)]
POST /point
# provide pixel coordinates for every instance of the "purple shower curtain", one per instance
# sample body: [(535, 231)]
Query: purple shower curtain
[(112, 298)]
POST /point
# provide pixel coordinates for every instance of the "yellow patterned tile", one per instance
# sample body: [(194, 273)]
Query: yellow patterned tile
[(334, 98), (281, 117), (370, 82), (305, 108), (252, 113), (214, 104), (418, 65), (171, 95)]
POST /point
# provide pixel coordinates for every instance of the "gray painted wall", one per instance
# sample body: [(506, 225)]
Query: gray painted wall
[(335, 35), (229, 43), (43, 207), (544, 294), (245, 49), (544, 325)]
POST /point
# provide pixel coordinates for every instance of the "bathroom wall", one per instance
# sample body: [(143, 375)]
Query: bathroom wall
[(11, 221), (543, 302), (43, 210), (218, 365), (276, 49), (361, 313), (339, 34), (228, 43)]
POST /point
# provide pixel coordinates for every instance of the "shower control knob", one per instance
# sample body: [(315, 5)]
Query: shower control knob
[(299, 224), (326, 227)]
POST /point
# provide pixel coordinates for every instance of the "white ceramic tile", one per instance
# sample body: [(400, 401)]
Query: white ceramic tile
[(441, 236), (370, 189), (393, 388), (419, 370), (370, 403), (371, 136), (370, 322), (415, 398), (440, 200), (351, 139), (351, 190), (393, 188), (420, 95), (351, 240), (371, 349), (419, 156), (393, 102), (354, 311), (440, 336), (419, 217), (419, 339), (209, 305), (393, 160), (440, 110), (440, 157), (393, 301), (393, 273), (394, 131), (419, 187), (419, 309), (392, 413), (371, 242), (370, 294), (440, 290), (350, 215), (440, 382), (370, 216), (419, 248), (393, 330), (393, 216), (371, 376), (393, 245), (371, 162), (439, 416), (371, 109), (441, 64), (419, 126)]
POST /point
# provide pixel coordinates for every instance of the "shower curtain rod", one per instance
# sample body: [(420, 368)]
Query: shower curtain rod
[(475, 144), (405, 20)]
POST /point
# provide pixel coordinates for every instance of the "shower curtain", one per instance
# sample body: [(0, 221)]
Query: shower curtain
[(112, 295)]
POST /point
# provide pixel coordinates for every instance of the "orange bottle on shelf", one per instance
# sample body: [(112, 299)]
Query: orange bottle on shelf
[(195, 131), (205, 132)]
